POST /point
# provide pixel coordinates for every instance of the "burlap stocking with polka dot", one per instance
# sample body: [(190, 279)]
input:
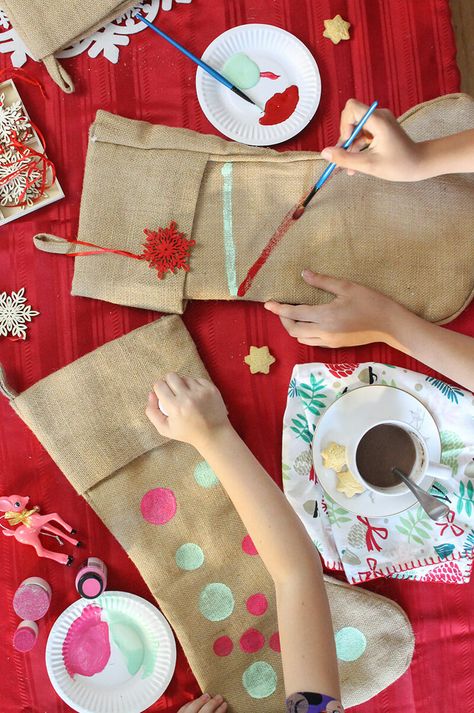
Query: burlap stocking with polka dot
[(171, 515)]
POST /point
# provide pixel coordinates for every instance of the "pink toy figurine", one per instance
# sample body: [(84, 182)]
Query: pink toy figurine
[(32, 525)]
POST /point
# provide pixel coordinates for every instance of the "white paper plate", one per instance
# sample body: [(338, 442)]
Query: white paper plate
[(274, 50), (115, 690), (359, 410)]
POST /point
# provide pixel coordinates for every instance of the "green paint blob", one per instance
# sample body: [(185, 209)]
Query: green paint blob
[(205, 476), (132, 641), (260, 680), (189, 556), (350, 644), (241, 71), (216, 602)]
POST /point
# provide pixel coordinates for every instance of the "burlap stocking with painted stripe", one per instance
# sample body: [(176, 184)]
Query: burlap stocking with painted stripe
[(173, 518), (402, 239)]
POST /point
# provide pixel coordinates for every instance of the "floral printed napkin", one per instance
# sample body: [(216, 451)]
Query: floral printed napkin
[(404, 546)]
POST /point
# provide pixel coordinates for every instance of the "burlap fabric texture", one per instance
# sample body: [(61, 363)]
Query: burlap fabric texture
[(111, 454), (46, 26), (411, 241)]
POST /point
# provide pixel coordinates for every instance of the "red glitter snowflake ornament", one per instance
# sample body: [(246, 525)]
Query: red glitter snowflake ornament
[(167, 250)]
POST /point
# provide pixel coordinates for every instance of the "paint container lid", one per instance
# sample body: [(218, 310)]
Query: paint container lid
[(25, 636), (32, 599), (90, 585)]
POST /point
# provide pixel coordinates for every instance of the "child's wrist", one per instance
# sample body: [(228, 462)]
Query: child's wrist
[(210, 441)]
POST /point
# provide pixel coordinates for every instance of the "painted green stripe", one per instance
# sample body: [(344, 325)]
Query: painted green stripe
[(229, 245)]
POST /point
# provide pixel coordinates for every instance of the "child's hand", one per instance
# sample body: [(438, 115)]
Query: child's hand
[(391, 154), (205, 704), (196, 411), (357, 315)]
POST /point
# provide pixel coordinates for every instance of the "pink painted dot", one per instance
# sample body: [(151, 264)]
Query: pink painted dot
[(274, 642), (158, 506), (252, 641), (223, 646), (248, 546), (257, 604)]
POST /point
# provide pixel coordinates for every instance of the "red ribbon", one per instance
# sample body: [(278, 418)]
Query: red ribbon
[(455, 529), (372, 533), (372, 572), (22, 76)]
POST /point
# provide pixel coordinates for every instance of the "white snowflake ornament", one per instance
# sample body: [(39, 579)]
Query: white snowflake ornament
[(13, 119), (14, 314)]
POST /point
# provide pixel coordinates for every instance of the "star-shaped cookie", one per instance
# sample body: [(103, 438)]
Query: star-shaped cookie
[(347, 484), (336, 29), (259, 360)]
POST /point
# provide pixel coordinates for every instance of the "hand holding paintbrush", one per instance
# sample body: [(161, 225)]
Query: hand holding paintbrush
[(329, 169)]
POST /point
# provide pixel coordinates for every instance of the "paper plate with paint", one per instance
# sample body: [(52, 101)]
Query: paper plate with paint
[(275, 69), (114, 654)]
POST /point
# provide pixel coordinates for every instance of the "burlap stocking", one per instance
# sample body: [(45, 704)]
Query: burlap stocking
[(46, 27), (175, 521), (411, 241)]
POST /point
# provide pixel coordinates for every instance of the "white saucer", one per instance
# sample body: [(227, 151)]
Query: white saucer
[(359, 410), (274, 50), (116, 689)]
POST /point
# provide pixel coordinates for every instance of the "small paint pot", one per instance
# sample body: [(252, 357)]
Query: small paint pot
[(32, 599), (91, 579), (25, 636)]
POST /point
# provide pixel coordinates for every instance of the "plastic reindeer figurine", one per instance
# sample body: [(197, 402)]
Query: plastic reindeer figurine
[(31, 525)]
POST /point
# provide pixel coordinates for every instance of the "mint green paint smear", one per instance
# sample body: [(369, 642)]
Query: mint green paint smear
[(132, 641), (229, 245)]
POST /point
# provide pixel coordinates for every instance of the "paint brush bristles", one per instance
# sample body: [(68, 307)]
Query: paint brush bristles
[(329, 169)]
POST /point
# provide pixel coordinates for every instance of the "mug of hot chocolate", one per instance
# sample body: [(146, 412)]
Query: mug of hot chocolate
[(373, 456)]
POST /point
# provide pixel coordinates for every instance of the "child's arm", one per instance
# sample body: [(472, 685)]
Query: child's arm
[(197, 415), (392, 155), (358, 315)]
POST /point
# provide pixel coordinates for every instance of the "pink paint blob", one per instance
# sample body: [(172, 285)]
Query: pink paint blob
[(248, 547), (25, 636), (280, 106), (86, 648), (158, 506), (252, 641), (32, 599), (223, 646), (257, 604), (274, 642), (269, 75)]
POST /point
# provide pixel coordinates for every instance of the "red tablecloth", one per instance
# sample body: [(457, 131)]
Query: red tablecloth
[(401, 52)]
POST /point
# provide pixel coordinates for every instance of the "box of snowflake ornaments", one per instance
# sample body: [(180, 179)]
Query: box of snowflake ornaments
[(27, 177)]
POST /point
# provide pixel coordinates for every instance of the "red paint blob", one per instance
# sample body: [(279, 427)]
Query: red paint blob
[(252, 641), (248, 547), (280, 107), (274, 642), (257, 604), (158, 506), (269, 75), (223, 646)]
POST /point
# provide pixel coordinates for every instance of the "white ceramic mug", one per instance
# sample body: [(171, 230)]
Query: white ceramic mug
[(422, 466)]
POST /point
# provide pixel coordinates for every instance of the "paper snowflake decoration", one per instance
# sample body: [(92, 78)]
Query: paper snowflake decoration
[(13, 120), (14, 314), (166, 249)]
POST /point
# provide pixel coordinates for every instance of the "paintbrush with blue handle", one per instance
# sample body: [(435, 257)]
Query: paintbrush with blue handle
[(214, 73), (329, 169)]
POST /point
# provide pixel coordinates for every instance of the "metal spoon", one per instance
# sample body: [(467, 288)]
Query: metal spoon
[(431, 505)]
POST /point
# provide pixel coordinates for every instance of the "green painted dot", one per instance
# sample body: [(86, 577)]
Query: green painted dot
[(216, 602), (260, 680), (189, 556), (350, 644), (205, 476), (241, 71)]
